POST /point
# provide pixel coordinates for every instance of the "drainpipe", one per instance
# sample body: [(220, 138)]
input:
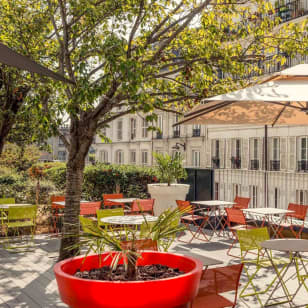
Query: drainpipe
[(266, 166)]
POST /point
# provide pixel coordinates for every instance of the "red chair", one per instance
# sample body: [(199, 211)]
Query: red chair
[(144, 244), (295, 220), (89, 208), (56, 212), (142, 206), (192, 219), (109, 204), (215, 281), (241, 202), (237, 217)]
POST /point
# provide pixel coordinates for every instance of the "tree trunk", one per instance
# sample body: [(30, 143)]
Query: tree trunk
[(70, 233)]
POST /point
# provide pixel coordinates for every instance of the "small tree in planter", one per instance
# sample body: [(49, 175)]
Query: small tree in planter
[(169, 171), (105, 276)]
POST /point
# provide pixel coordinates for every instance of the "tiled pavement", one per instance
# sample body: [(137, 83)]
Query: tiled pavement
[(27, 280)]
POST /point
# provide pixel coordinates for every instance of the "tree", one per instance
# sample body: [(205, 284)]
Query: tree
[(140, 56), (24, 27)]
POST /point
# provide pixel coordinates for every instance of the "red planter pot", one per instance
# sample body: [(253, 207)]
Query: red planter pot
[(163, 293)]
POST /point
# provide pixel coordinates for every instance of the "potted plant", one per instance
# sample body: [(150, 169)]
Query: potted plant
[(169, 171), (122, 277)]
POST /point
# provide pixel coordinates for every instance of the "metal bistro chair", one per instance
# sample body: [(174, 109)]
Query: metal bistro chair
[(241, 203), (192, 220), (106, 213), (3, 212), (20, 217), (237, 217), (142, 206), (89, 209), (109, 204), (295, 220), (250, 240), (215, 281)]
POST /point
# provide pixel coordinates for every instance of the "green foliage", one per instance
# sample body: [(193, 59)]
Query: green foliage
[(57, 175), (169, 168), (19, 158)]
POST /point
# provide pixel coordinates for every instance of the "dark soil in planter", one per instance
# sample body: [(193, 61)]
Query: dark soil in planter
[(147, 272)]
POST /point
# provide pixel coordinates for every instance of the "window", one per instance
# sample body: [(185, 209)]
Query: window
[(133, 157), (255, 149), (103, 156), (238, 148), (62, 155), (304, 148), (276, 197), (196, 158), (253, 192), (60, 142), (144, 128), (120, 157), (216, 191), (196, 130), (237, 191), (159, 124), (302, 196), (217, 148), (176, 129), (144, 158), (133, 128), (175, 152), (120, 129), (104, 131), (276, 150)]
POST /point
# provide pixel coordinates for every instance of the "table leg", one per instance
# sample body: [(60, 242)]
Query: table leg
[(280, 282), (275, 226)]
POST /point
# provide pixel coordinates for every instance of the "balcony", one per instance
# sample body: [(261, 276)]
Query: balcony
[(215, 162), (159, 135), (290, 10), (196, 132), (275, 165), (254, 164), (302, 165), (235, 162), (176, 134)]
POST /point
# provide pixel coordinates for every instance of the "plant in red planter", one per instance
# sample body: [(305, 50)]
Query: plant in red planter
[(124, 276)]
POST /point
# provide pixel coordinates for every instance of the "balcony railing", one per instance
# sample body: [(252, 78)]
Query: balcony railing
[(236, 162), (196, 132), (159, 135), (216, 162), (176, 134), (254, 164), (275, 165), (302, 165), (290, 9)]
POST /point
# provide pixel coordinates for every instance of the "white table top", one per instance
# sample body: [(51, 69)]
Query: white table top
[(62, 203), (267, 211), (213, 203), (286, 245), (6, 206), (128, 219), (123, 200)]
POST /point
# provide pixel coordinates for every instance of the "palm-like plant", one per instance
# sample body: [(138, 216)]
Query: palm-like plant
[(100, 240)]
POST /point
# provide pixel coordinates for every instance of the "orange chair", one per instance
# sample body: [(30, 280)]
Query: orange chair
[(56, 213), (215, 281), (144, 244), (109, 204), (241, 202), (236, 216), (142, 206), (192, 219), (294, 220), (89, 208)]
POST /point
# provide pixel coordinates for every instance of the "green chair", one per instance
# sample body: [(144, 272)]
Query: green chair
[(7, 201), (20, 217), (107, 213), (3, 212), (250, 241)]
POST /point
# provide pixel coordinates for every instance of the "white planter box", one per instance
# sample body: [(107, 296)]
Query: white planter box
[(165, 195)]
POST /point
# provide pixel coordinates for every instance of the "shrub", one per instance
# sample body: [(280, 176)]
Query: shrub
[(57, 175)]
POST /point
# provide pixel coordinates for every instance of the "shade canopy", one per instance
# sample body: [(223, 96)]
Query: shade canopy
[(12, 58), (280, 99)]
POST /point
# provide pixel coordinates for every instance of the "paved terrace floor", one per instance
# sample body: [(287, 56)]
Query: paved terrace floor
[(27, 280)]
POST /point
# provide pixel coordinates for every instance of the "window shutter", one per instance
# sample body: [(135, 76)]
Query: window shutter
[(208, 153), (245, 153), (292, 153), (283, 153), (222, 153), (260, 152), (228, 153)]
